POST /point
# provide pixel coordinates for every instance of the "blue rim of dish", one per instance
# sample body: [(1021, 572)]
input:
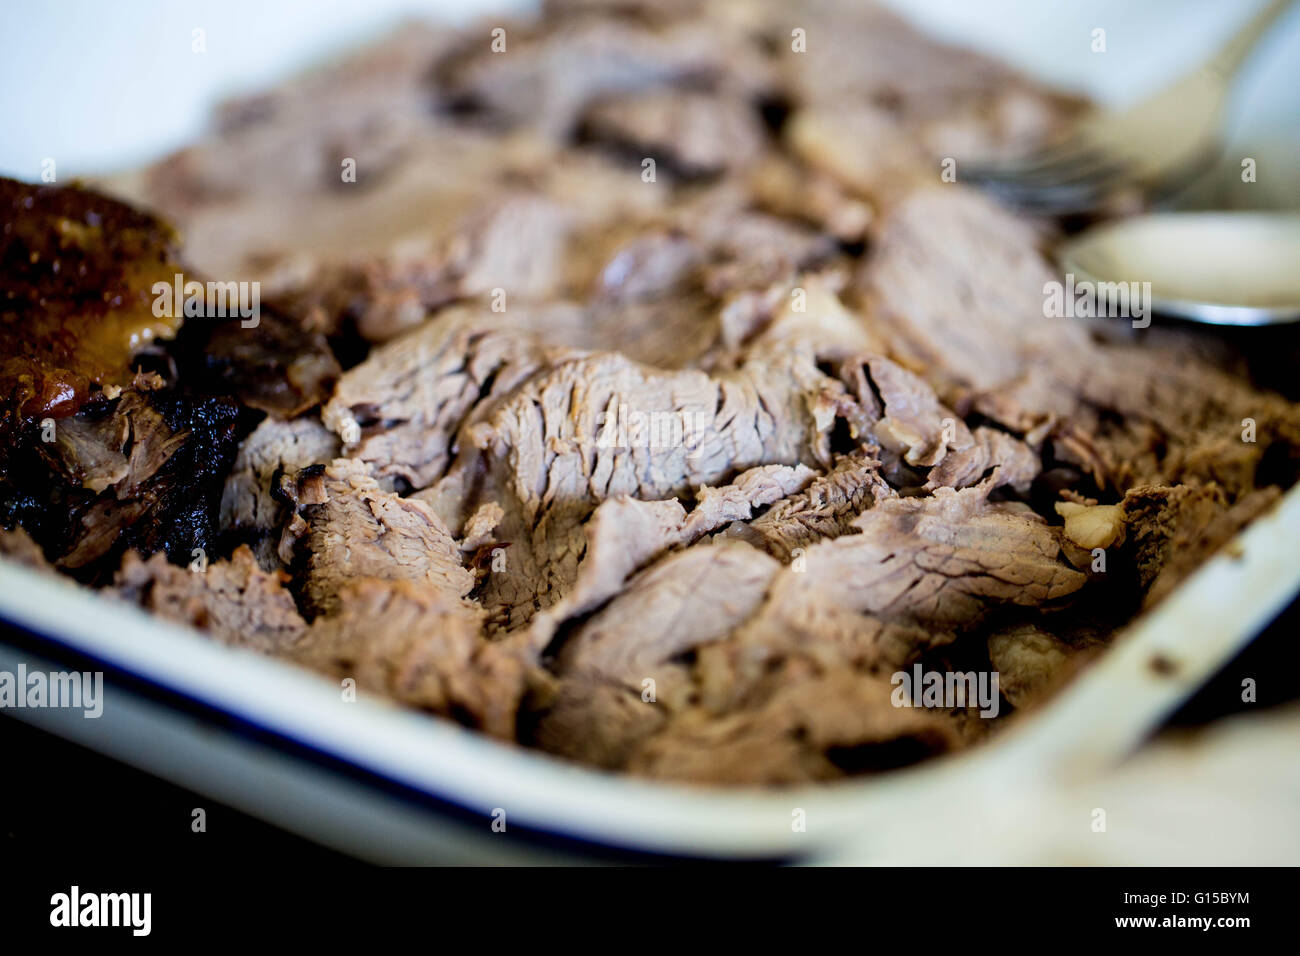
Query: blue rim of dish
[(267, 737)]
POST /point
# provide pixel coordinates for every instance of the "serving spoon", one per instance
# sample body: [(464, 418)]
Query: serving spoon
[(1219, 268)]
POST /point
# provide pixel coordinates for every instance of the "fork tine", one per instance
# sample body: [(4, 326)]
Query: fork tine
[(1098, 176), (1077, 161), (1069, 194), (1057, 182), (1061, 150), (1057, 200)]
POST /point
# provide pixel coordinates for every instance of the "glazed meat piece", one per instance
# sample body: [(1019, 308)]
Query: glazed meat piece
[(116, 435), (76, 303)]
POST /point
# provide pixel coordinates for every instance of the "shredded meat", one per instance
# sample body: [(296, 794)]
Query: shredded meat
[(235, 601), (643, 395)]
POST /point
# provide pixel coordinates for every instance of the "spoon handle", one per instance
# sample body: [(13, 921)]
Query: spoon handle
[(1236, 51)]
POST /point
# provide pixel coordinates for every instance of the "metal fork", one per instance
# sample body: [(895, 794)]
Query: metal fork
[(1151, 148)]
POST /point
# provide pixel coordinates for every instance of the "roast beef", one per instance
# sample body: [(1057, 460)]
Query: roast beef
[(631, 383)]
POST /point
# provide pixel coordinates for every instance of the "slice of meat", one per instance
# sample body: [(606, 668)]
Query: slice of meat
[(688, 599), (90, 452), (862, 148), (1173, 530), (277, 367), (516, 244), (234, 601), (1162, 416), (646, 266), (799, 634), (928, 99), (689, 132), (809, 729), (825, 509), (143, 471), (624, 534), (805, 314), (510, 249), (993, 456), (120, 450), (1194, 545), (1031, 662), (736, 502), (17, 545), (268, 461), (619, 672), (943, 560), (401, 408), (867, 53), (595, 427), (361, 531), (750, 249), (422, 646), (368, 105), (548, 77), (481, 527), (956, 287), (597, 723), (912, 421), (785, 187)]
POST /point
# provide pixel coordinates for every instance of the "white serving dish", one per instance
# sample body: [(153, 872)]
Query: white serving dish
[(396, 786)]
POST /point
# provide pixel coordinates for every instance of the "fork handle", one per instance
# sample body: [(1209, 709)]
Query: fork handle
[(1235, 52)]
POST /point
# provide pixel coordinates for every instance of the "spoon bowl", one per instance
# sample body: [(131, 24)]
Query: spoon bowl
[(1219, 268)]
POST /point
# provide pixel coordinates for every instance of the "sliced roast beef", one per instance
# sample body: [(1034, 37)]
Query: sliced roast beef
[(143, 471), (689, 132), (664, 468), (992, 456), (277, 367), (911, 420), (362, 531), (402, 407), (17, 546), (1031, 661), (420, 645), (268, 463), (234, 601), (797, 633), (808, 729), (1172, 530), (594, 427), (686, 600), (625, 534), (955, 286), (943, 560), (751, 490), (1126, 414), (625, 657), (549, 76), (825, 509)]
